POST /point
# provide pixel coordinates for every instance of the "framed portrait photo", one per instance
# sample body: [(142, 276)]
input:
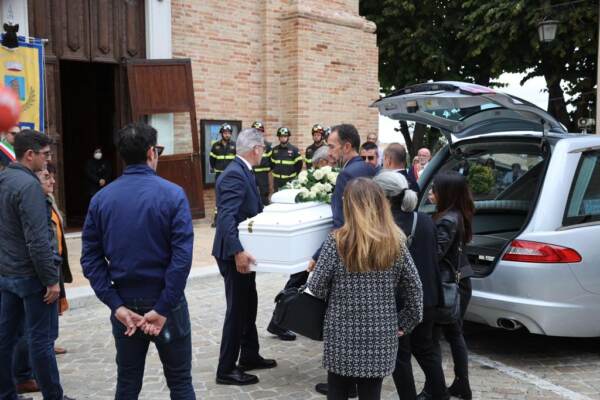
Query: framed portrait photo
[(209, 134)]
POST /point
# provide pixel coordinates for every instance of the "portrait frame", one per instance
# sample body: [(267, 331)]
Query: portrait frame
[(209, 133)]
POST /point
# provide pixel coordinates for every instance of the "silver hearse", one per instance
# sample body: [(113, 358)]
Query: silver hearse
[(536, 243)]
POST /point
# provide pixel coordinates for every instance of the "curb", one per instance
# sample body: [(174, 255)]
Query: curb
[(84, 296)]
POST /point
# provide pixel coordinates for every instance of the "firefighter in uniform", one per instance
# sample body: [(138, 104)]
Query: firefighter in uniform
[(261, 171), (222, 153), (317, 135), (286, 161)]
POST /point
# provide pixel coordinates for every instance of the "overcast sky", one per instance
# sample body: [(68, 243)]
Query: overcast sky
[(532, 91)]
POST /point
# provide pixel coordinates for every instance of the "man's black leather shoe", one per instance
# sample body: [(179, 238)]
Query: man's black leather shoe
[(261, 363), (237, 377), (323, 389), (281, 333)]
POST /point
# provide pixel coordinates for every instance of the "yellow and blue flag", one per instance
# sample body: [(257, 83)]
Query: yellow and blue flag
[(22, 69)]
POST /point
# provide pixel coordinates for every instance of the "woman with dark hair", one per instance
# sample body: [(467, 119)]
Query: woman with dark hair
[(361, 267), (420, 230), (454, 222), (47, 180)]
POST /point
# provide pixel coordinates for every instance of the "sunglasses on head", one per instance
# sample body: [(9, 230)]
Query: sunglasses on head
[(370, 158), (159, 150)]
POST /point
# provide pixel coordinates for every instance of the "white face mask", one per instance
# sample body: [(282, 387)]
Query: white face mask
[(98, 155)]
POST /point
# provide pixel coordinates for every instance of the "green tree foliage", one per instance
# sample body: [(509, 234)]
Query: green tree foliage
[(477, 40), (481, 179), (507, 31)]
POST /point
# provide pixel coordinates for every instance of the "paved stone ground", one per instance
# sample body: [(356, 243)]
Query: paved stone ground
[(88, 371)]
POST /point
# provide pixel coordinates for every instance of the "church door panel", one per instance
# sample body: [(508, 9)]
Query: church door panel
[(166, 86)]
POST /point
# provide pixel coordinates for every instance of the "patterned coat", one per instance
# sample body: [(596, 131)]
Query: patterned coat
[(361, 321)]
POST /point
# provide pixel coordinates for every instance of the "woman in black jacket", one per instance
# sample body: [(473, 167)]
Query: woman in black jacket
[(454, 222), (422, 247)]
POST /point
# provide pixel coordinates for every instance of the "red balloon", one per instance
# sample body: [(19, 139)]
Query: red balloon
[(10, 108)]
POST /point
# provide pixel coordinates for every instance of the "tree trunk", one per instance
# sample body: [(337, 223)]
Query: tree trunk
[(557, 107), (418, 138), (406, 134)]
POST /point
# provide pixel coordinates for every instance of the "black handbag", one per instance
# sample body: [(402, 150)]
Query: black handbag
[(448, 311), (300, 312)]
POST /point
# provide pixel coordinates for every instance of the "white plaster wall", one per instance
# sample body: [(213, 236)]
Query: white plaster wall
[(159, 45)]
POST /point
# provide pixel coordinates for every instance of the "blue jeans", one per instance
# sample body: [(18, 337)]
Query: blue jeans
[(21, 363), (174, 345), (22, 300)]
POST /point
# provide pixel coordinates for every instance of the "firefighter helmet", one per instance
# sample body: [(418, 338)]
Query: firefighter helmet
[(283, 131), (317, 129), (225, 127), (258, 125)]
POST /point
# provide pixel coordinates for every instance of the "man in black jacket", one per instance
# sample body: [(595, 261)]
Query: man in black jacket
[(318, 142), (286, 161), (29, 278), (394, 158)]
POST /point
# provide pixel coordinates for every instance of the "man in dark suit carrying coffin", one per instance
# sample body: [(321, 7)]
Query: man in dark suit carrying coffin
[(238, 199)]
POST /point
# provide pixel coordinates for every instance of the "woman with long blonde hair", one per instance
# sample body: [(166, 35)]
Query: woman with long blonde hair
[(361, 266)]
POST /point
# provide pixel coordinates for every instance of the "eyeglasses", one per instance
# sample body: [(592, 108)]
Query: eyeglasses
[(370, 158), (159, 150), (46, 153)]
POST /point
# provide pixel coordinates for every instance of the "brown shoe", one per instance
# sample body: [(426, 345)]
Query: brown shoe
[(29, 386), (60, 350)]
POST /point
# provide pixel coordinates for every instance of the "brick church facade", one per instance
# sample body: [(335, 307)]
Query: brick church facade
[(287, 63)]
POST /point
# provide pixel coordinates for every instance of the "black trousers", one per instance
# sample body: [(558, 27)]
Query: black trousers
[(240, 338), (279, 183), (262, 181), (296, 280), (421, 345), (215, 209), (454, 333), (339, 387), (454, 336)]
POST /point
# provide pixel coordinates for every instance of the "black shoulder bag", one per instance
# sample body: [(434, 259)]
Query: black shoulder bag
[(409, 239), (448, 311), (300, 312)]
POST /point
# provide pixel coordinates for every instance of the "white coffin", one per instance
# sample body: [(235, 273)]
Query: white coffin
[(286, 234)]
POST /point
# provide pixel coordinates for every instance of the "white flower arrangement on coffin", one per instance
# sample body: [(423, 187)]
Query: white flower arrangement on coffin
[(315, 184)]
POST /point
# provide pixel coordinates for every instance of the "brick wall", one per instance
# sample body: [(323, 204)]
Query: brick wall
[(285, 62)]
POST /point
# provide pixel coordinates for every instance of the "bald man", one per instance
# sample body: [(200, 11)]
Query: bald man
[(423, 155)]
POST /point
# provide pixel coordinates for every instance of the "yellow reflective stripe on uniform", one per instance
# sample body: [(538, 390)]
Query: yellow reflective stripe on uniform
[(299, 158), (284, 176), (263, 169), (308, 160), (268, 154), (284, 162), (218, 170), (224, 157)]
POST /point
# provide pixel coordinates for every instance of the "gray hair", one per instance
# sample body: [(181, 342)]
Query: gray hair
[(247, 140), (393, 184), (320, 154)]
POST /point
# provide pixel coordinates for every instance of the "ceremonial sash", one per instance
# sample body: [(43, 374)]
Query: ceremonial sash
[(8, 151)]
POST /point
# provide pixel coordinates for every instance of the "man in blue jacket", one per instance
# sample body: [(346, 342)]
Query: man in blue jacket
[(238, 199), (344, 144), (137, 254), (28, 268)]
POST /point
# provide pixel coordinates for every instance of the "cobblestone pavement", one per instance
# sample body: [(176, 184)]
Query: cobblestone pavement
[(504, 365)]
